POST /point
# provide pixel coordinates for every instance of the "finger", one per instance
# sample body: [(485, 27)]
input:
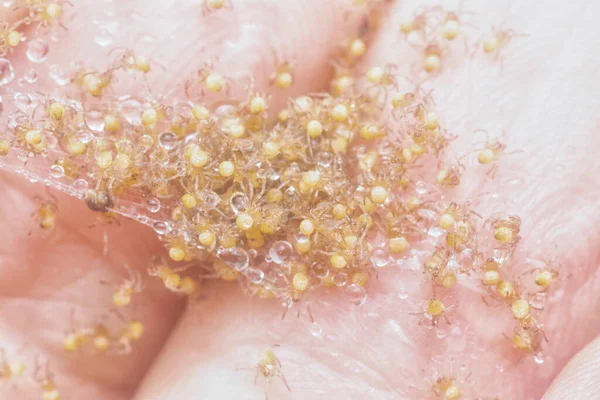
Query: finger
[(60, 275), (579, 379), (545, 189)]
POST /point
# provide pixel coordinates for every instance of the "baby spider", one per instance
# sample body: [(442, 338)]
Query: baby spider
[(133, 284), (380, 79), (506, 230), (10, 38), (98, 200), (257, 103), (172, 280), (497, 40), (417, 23), (46, 12), (92, 82), (75, 339), (269, 367), (433, 312), (452, 22), (208, 79), (446, 388), (130, 61), (528, 336), (543, 276), (209, 6), (45, 379), (132, 332), (12, 369), (432, 61), (449, 177), (283, 76), (46, 212), (446, 381)]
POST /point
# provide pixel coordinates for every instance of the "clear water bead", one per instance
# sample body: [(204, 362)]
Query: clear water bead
[(356, 294), (37, 50), (30, 75), (315, 329), (103, 37), (403, 294), (160, 227), (167, 140), (56, 171), (237, 258), (280, 252), (421, 187), (380, 258), (153, 205), (254, 275), (59, 76), (80, 186), (239, 202)]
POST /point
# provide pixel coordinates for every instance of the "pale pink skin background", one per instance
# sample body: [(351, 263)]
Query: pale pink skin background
[(546, 98)]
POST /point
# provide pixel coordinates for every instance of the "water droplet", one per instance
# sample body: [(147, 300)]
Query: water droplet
[(23, 101), (254, 275), (160, 227), (356, 294), (280, 252), (315, 329), (85, 136), (167, 140), (95, 120), (538, 358), (380, 258), (421, 187), (37, 50), (239, 202), (7, 72), (30, 75), (403, 294), (538, 301), (103, 37), (340, 279), (210, 198), (23, 156), (324, 159), (435, 232), (236, 258), (80, 186), (56, 171), (132, 111), (320, 270), (59, 76), (146, 142), (441, 333), (153, 205)]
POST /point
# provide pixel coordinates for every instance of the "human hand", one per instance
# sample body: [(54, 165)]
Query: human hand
[(540, 96)]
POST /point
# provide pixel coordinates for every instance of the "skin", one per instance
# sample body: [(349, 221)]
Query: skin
[(541, 94)]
